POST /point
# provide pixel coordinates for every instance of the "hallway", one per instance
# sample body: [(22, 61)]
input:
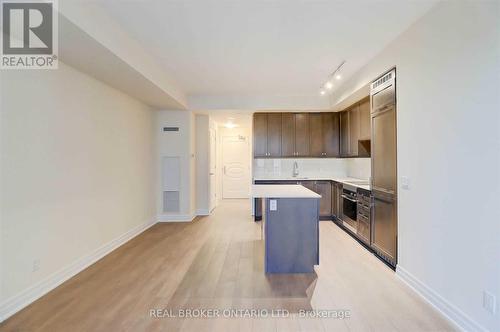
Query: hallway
[(216, 262)]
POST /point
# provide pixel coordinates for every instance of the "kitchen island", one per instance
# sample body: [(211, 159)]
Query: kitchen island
[(291, 227)]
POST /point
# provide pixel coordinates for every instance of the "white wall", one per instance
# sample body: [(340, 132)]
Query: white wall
[(449, 146), (177, 144), (202, 163), (76, 172)]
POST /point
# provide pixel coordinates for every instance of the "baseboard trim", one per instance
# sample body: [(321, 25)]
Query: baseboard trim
[(175, 217), (451, 312), (202, 212), (16, 303)]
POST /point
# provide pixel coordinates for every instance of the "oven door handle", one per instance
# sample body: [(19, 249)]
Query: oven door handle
[(349, 199)]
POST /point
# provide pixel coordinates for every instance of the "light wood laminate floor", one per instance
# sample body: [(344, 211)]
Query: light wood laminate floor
[(216, 262)]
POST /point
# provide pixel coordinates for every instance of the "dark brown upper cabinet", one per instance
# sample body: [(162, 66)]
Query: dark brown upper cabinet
[(316, 135), (344, 134), (274, 134), (267, 134), (331, 134), (302, 135), (324, 134), (295, 140), (287, 134), (260, 135), (364, 120), (355, 130), (297, 135)]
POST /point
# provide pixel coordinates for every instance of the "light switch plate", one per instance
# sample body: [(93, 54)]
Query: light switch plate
[(405, 182), (273, 205)]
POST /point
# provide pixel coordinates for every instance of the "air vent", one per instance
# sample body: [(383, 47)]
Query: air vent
[(382, 80), (170, 201), (170, 128)]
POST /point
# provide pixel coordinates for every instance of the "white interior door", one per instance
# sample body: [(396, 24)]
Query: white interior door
[(235, 167), (213, 163)]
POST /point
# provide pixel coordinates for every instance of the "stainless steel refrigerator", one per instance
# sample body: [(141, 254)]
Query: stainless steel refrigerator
[(384, 167)]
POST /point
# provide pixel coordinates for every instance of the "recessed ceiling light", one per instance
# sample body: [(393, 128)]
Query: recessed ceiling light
[(338, 76), (230, 125), (322, 92), (329, 85)]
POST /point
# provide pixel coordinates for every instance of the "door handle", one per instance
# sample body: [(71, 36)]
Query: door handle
[(349, 199)]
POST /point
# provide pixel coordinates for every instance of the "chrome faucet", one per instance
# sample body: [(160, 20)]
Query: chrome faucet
[(295, 169)]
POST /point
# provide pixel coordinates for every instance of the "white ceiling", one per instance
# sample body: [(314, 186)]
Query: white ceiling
[(252, 47)]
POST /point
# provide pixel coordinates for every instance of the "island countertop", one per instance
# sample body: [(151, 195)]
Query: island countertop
[(282, 191)]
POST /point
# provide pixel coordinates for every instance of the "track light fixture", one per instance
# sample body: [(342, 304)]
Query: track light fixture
[(329, 82)]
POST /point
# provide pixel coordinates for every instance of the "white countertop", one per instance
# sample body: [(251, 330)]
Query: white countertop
[(316, 178), (282, 191)]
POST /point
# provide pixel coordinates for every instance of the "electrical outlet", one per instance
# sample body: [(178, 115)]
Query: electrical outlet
[(273, 205), (36, 265), (489, 302)]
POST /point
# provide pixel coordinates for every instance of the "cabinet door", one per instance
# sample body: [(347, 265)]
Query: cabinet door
[(363, 228), (316, 135), (353, 130), (334, 199), (274, 134), (384, 230), (260, 135), (331, 134), (301, 135), (344, 134), (340, 206), (287, 134), (364, 120), (384, 151), (308, 184), (324, 188)]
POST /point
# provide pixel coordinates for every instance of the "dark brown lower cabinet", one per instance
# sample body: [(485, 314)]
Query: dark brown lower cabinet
[(308, 184), (336, 199), (324, 188), (384, 232), (364, 228)]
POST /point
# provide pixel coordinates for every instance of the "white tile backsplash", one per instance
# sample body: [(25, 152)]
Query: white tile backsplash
[(312, 167), (359, 168)]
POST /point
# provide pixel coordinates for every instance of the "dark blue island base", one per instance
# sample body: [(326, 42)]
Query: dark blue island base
[(291, 234)]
